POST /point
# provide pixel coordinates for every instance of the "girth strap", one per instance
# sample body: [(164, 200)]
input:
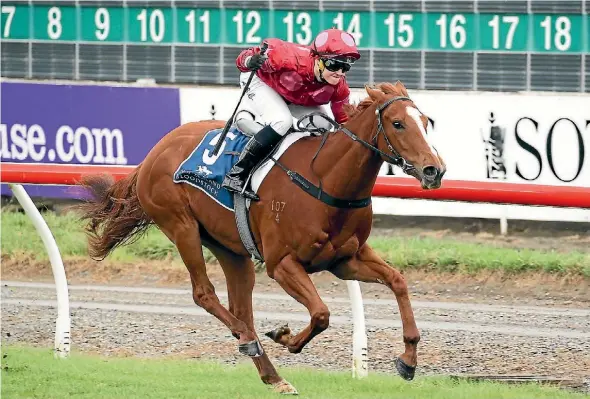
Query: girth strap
[(318, 193)]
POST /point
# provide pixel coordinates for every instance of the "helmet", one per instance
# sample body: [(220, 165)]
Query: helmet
[(336, 44)]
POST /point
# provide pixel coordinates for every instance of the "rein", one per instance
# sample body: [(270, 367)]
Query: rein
[(395, 158)]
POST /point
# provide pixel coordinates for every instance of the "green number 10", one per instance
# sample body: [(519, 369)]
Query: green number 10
[(157, 25)]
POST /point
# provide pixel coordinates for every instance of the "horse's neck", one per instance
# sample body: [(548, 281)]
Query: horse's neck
[(347, 168)]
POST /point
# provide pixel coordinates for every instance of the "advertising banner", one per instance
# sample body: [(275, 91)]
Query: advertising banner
[(531, 138), (82, 124)]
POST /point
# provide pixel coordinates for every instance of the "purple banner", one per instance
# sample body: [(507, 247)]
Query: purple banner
[(82, 124)]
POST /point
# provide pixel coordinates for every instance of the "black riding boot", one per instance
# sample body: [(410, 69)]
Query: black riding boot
[(259, 146)]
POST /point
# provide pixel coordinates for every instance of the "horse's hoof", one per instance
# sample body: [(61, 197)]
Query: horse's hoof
[(277, 333), (284, 388), (252, 349), (406, 372)]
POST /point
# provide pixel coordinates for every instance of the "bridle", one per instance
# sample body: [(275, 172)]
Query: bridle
[(394, 158), (317, 191)]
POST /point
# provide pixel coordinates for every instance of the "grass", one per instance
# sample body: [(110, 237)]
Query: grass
[(34, 373), (406, 253)]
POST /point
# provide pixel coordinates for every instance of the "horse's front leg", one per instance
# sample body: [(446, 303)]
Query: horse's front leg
[(367, 266), (291, 275)]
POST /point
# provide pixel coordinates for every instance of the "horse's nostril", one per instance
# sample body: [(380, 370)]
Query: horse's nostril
[(430, 172)]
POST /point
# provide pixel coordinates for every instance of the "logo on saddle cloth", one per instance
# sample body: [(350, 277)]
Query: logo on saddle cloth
[(205, 171)]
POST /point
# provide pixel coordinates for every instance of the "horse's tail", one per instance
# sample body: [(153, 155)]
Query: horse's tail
[(114, 214)]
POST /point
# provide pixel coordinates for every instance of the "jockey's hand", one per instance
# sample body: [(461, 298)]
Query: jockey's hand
[(256, 61)]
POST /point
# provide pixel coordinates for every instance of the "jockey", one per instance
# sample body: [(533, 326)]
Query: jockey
[(291, 80)]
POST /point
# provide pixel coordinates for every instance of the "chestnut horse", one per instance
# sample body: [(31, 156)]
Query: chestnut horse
[(296, 233)]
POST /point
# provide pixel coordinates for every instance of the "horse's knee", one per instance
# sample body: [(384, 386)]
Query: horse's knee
[(398, 284), (204, 298), (321, 319)]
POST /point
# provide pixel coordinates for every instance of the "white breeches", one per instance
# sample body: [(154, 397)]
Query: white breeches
[(269, 108)]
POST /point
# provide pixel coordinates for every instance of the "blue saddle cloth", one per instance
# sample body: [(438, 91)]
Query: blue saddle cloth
[(204, 171)]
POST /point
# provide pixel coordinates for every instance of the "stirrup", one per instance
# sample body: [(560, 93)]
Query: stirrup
[(242, 189), (251, 195)]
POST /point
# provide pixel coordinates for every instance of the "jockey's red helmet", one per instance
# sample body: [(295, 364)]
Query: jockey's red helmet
[(336, 44)]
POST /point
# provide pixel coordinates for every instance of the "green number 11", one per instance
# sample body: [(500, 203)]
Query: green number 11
[(204, 19)]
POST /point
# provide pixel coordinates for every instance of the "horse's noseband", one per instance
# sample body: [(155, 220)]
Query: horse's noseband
[(395, 158)]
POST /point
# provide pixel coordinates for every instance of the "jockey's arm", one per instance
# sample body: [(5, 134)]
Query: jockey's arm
[(277, 59), (243, 57), (341, 97)]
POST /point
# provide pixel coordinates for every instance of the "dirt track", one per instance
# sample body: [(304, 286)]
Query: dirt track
[(457, 338), (483, 288)]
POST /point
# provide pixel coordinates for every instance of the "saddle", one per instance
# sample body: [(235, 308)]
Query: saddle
[(305, 124), (206, 172)]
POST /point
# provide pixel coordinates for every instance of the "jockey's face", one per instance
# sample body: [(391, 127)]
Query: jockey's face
[(332, 77), (334, 71)]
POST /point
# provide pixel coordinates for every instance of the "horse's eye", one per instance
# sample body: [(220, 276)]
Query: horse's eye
[(398, 125)]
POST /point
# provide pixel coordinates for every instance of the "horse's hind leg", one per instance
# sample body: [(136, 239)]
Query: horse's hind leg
[(240, 277), (296, 282), (367, 266), (183, 230)]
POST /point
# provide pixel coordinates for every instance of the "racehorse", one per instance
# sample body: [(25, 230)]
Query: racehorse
[(297, 233)]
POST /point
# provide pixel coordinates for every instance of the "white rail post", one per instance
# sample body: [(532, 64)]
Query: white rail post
[(360, 366), (62, 324)]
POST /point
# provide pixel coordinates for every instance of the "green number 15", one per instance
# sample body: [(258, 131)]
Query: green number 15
[(403, 28)]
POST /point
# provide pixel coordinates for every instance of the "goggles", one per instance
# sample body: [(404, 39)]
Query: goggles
[(333, 65)]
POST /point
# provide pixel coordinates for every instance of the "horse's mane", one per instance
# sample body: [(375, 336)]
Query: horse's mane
[(352, 110)]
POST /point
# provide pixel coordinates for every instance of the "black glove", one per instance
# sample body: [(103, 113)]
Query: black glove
[(256, 61)]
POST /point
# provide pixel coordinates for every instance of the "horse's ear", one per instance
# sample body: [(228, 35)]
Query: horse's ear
[(402, 89), (375, 94)]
